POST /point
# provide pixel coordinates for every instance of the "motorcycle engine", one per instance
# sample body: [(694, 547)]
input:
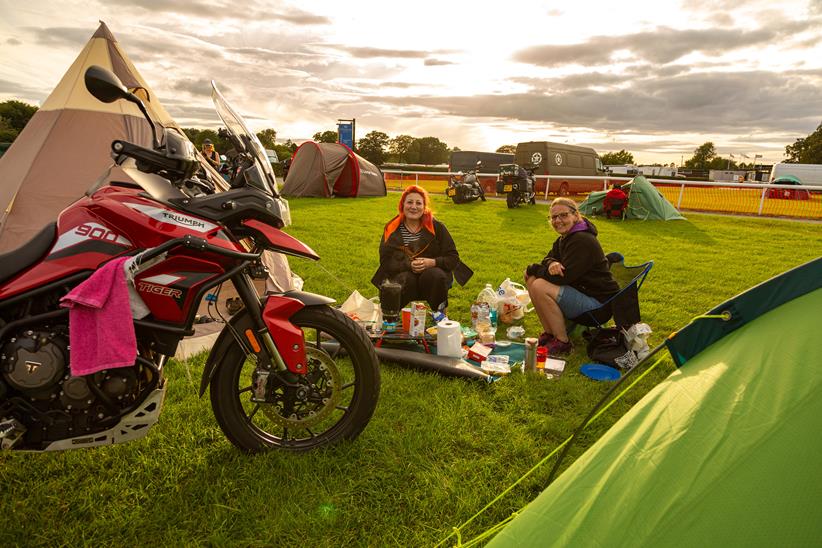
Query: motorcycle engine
[(34, 362), (37, 388)]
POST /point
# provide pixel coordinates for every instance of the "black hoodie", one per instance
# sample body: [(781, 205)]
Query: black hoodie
[(586, 268)]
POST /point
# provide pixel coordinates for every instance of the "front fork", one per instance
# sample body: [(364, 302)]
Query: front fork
[(273, 318)]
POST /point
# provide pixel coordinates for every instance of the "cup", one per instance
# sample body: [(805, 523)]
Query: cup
[(406, 319)]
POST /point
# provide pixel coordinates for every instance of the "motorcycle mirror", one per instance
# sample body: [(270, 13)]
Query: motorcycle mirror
[(105, 86)]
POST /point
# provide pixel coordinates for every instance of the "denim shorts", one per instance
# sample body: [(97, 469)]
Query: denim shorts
[(574, 303)]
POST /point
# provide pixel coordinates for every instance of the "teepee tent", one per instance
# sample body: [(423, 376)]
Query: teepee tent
[(66, 145), (644, 202), (331, 169), (725, 452)]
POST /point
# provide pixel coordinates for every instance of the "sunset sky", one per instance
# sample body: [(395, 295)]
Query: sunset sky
[(655, 78)]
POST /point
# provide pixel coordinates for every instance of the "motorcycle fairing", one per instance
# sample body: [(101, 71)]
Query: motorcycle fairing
[(170, 287), (280, 241), (288, 338), (110, 223)]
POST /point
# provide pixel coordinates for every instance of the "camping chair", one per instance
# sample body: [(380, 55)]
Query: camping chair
[(624, 306)]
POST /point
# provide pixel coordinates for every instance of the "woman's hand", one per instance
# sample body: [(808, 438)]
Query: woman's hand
[(556, 269), (421, 263)]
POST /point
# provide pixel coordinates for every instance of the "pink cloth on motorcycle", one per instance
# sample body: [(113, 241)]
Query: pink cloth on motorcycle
[(101, 329)]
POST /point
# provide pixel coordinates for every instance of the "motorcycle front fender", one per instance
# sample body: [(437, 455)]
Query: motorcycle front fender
[(241, 321)]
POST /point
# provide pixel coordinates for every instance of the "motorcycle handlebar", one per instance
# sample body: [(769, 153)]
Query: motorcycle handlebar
[(199, 244), (147, 159)]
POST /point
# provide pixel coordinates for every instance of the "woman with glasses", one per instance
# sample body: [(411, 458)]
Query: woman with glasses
[(417, 252), (571, 280)]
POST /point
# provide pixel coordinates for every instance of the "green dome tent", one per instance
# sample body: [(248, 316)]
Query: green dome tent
[(725, 452), (644, 202)]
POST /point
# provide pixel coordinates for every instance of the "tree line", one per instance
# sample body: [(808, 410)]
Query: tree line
[(378, 148)]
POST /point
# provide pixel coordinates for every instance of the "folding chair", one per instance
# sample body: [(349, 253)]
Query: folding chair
[(624, 306)]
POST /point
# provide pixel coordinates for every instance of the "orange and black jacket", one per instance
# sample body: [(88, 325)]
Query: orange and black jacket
[(435, 243)]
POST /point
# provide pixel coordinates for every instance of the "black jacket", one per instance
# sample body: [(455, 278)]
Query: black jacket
[(586, 268), (396, 258)]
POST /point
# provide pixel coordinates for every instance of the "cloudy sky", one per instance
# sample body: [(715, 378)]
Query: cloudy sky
[(656, 78)]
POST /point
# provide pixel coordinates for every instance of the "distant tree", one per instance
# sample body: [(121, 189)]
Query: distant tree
[(326, 137), (617, 158), (219, 138), (400, 149), (432, 151), (456, 149), (7, 133), (507, 149), (703, 156), (373, 147), (807, 150), (16, 113), (268, 138)]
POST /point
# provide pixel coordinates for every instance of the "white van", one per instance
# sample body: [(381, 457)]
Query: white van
[(807, 174)]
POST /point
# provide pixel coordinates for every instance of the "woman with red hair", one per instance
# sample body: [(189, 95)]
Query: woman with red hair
[(417, 252)]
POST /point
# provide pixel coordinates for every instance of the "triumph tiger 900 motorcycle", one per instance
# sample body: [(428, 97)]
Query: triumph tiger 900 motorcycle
[(518, 183), (287, 371), (464, 188)]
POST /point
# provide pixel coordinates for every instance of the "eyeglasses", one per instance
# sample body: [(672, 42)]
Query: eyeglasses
[(564, 215)]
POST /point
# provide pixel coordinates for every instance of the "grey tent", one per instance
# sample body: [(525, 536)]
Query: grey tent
[(66, 145), (331, 169), (644, 202)]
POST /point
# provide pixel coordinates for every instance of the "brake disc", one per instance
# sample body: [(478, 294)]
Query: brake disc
[(310, 412)]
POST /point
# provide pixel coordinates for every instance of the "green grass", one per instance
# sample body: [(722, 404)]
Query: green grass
[(436, 451)]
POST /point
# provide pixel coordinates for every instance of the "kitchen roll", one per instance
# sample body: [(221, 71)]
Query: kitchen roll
[(449, 339)]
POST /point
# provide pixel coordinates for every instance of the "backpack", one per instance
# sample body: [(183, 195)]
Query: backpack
[(609, 347)]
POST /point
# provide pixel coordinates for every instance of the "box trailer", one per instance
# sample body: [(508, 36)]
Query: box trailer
[(807, 174)]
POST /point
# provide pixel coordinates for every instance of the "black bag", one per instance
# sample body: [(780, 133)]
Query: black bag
[(608, 346)]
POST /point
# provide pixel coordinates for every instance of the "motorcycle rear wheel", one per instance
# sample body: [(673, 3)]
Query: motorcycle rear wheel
[(339, 393), (512, 200)]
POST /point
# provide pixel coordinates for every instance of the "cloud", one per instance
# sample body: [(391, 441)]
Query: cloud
[(60, 36), (661, 45), (226, 9), (13, 42), (436, 62), (741, 102), (369, 53)]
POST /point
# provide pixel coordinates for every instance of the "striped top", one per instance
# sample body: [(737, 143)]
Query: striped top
[(410, 239)]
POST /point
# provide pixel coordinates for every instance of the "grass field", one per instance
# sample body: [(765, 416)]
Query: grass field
[(436, 451)]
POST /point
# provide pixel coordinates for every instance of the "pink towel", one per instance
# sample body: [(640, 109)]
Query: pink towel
[(101, 329)]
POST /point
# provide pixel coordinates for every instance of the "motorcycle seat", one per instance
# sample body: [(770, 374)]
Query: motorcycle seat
[(15, 261)]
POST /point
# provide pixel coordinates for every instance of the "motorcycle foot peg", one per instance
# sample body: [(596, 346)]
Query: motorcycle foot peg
[(11, 430)]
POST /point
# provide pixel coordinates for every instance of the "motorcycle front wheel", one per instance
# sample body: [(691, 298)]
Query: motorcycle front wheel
[(512, 200), (333, 402)]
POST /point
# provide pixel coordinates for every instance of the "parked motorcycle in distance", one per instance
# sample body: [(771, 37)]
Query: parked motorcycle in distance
[(517, 183), (287, 371), (465, 187)]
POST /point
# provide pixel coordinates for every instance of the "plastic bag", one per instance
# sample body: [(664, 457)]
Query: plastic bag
[(365, 312), (512, 301)]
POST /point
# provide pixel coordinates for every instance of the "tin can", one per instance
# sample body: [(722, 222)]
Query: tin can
[(530, 354)]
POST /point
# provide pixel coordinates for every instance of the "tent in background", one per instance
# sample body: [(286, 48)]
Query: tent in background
[(331, 169), (644, 202), (722, 453), (66, 145)]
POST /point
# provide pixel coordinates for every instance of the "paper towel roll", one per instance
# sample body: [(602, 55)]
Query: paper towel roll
[(449, 339)]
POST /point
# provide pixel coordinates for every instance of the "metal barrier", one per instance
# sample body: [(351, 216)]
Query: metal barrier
[(768, 200)]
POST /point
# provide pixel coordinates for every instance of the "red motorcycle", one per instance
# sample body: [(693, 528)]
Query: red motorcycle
[(287, 371)]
